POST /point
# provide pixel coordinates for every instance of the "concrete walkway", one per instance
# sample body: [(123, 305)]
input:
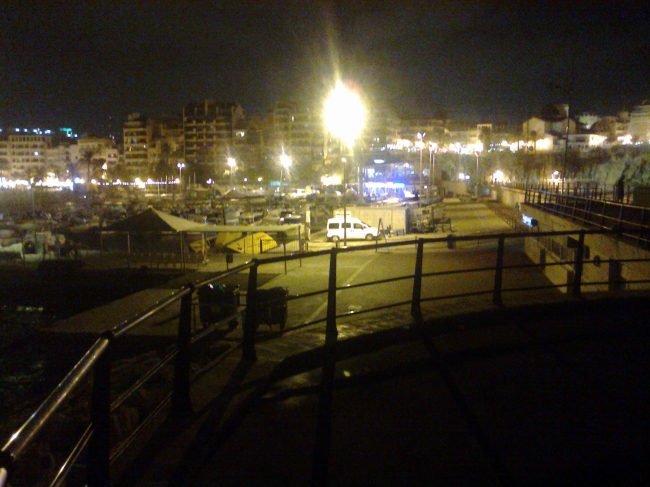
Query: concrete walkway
[(544, 395)]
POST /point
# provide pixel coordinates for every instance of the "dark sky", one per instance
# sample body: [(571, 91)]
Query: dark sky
[(87, 64)]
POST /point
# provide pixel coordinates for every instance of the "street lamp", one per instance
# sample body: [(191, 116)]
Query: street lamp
[(420, 145), (433, 148), (232, 164), (180, 167), (285, 163), (344, 117), (479, 148), (345, 202)]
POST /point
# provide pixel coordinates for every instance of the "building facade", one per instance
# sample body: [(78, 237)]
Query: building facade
[(137, 139), (295, 130), (209, 131), (639, 126), (23, 154)]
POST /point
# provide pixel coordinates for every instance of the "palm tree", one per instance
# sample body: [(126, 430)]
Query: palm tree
[(87, 158), (91, 165)]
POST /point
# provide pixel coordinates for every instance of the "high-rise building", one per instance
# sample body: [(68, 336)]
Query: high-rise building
[(209, 130), (297, 131), (23, 154), (137, 138)]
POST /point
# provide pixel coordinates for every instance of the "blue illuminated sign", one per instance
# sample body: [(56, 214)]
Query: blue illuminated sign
[(529, 220)]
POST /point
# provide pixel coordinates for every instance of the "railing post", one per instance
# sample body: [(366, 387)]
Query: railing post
[(181, 402), (331, 332), (250, 320), (320, 466), (498, 274), (577, 281), (416, 310), (98, 474)]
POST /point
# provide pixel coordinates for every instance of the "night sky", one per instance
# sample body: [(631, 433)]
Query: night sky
[(86, 65)]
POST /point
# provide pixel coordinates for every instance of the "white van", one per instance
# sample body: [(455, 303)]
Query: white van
[(354, 229)]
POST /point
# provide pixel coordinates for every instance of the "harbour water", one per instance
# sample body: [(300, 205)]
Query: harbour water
[(29, 303), (22, 358)]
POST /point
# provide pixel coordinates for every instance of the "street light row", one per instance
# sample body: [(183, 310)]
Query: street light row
[(344, 116), (285, 163)]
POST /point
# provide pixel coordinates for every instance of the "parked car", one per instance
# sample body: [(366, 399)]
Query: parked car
[(352, 228)]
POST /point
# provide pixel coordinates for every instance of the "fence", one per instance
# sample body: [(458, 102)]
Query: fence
[(583, 189), (633, 222), (93, 444)]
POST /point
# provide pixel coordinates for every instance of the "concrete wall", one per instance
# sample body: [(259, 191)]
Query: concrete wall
[(600, 248), (508, 196), (457, 188)]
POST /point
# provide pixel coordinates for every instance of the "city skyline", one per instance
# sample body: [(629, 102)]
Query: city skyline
[(88, 65)]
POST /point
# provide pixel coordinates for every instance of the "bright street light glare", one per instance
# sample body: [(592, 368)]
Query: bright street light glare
[(344, 114), (285, 161)]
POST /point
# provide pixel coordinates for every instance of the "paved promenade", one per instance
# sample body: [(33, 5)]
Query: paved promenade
[(530, 394)]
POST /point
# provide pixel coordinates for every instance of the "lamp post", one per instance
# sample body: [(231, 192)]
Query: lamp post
[(344, 116), (180, 167), (569, 91), (344, 161), (232, 164), (433, 147), (285, 163), (420, 145), (479, 148), (566, 144)]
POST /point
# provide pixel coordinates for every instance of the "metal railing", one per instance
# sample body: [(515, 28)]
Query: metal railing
[(95, 440), (633, 222), (584, 189)]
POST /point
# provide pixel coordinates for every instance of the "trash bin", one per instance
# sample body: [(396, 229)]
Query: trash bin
[(272, 306), (218, 301)]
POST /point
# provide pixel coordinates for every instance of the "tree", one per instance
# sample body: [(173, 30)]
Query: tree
[(4, 166), (529, 166), (121, 172), (199, 171), (593, 160), (573, 163), (87, 158)]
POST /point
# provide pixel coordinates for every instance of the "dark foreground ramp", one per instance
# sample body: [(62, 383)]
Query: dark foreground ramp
[(543, 395)]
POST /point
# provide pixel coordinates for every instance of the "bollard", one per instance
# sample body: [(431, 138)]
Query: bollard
[(451, 244)]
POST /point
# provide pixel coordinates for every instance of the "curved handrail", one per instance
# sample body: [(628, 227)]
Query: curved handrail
[(21, 438)]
